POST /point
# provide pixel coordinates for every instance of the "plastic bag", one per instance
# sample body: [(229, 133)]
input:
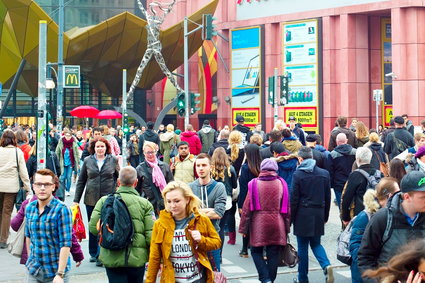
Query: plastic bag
[(78, 224)]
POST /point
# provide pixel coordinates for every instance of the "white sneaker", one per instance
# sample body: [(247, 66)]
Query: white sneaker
[(68, 194)]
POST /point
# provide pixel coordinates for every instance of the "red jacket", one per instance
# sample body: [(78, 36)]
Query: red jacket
[(193, 140)]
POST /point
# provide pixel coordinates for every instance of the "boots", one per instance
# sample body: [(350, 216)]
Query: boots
[(232, 238)]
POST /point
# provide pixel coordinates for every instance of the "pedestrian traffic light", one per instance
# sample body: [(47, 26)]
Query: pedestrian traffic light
[(125, 127), (194, 103), (181, 104), (209, 28), (284, 90)]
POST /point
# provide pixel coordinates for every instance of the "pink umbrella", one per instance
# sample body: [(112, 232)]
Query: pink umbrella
[(84, 111), (108, 114)]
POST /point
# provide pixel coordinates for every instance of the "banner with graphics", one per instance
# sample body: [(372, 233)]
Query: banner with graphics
[(246, 74), (301, 65)]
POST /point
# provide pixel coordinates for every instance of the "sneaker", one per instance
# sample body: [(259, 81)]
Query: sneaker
[(329, 274), (244, 254), (3, 245), (99, 263), (93, 259), (68, 194)]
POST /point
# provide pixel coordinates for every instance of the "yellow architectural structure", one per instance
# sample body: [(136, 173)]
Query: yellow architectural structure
[(102, 50)]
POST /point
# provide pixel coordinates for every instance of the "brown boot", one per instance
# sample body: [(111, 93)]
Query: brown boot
[(232, 238)]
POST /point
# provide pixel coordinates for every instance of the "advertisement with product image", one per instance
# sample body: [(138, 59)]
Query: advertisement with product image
[(246, 73), (300, 54)]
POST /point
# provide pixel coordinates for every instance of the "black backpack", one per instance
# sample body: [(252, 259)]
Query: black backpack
[(116, 227)]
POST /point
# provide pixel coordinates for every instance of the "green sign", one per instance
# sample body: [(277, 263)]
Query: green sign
[(71, 76)]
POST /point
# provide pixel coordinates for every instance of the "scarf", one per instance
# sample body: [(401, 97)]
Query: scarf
[(253, 191), (67, 144), (157, 175)]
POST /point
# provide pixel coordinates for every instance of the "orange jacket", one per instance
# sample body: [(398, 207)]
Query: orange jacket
[(160, 249)]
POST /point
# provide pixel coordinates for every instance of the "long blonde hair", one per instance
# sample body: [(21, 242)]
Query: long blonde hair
[(219, 164), (235, 139), (361, 130), (194, 201)]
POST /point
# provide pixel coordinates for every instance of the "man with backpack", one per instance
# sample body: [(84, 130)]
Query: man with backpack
[(403, 220), (399, 140), (361, 179), (124, 221), (207, 135)]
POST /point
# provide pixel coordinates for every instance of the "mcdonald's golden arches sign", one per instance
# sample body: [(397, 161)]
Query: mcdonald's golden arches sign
[(71, 76)]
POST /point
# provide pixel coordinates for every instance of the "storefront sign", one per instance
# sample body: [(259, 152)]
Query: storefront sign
[(388, 110), (307, 116), (246, 73)]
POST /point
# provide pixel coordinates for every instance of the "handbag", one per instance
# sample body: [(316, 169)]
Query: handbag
[(78, 223), (15, 242), (383, 167), (22, 193), (218, 276), (288, 255)]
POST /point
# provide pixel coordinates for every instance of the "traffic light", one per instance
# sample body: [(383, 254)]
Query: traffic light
[(271, 91), (125, 127), (194, 103), (181, 104), (284, 90), (209, 27)]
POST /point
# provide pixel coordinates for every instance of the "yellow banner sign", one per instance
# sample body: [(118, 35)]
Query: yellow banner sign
[(307, 116), (388, 114), (251, 115)]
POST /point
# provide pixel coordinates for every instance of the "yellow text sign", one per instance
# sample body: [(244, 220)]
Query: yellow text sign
[(307, 116), (251, 115), (388, 111)]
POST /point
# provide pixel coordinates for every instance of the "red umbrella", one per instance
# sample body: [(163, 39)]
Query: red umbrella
[(84, 111), (108, 114)]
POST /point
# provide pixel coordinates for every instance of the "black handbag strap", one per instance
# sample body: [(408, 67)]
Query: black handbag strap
[(17, 164)]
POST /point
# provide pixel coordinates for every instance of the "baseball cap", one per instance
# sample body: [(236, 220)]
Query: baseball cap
[(413, 181), (292, 118), (240, 118), (399, 120)]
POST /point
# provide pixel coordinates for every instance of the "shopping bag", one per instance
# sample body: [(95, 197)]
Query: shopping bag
[(78, 224), (15, 242)]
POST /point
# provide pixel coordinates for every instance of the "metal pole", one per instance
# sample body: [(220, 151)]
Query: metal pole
[(124, 111), (186, 73), (59, 114), (42, 110), (276, 96)]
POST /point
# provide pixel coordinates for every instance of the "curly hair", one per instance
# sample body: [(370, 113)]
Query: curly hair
[(361, 130), (219, 164), (235, 139), (99, 139), (401, 264)]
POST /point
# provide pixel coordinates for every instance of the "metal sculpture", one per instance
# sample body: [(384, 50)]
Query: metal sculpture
[(154, 20)]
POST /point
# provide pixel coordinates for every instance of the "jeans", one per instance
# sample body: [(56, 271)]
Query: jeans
[(32, 279), (355, 272), (7, 200), (215, 255), (93, 240), (318, 251), (134, 161), (338, 195), (125, 274), (66, 177), (267, 270)]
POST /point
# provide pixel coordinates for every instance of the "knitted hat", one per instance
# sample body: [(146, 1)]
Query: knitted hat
[(268, 165), (420, 152)]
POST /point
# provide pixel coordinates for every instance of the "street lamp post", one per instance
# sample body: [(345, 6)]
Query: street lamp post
[(59, 114)]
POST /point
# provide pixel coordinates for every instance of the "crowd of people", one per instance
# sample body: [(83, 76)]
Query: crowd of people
[(182, 191)]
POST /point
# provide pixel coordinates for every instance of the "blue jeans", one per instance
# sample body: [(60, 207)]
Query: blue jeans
[(318, 251), (66, 177), (355, 272), (215, 255), (125, 274), (267, 270), (338, 195)]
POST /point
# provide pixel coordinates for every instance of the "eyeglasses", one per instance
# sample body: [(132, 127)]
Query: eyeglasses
[(46, 185), (150, 152)]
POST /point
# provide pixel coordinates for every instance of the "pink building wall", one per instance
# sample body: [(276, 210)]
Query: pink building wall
[(352, 58)]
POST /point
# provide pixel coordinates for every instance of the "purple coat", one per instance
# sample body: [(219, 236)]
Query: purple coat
[(15, 223), (267, 226)]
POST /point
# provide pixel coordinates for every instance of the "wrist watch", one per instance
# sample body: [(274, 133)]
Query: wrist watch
[(61, 274)]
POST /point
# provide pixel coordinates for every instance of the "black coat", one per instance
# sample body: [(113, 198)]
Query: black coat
[(52, 163), (147, 188), (97, 183), (403, 135), (378, 155), (148, 135), (310, 201), (340, 164), (224, 143)]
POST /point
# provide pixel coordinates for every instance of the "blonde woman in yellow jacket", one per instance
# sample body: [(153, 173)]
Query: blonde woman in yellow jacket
[(181, 238)]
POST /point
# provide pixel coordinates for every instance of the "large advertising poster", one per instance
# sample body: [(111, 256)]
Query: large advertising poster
[(387, 65), (246, 74), (301, 65)]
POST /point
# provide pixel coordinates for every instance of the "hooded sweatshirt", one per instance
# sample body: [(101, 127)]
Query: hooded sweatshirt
[(341, 162), (207, 135), (246, 132), (194, 142), (286, 167)]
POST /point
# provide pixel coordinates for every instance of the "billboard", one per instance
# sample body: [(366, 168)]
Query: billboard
[(301, 65), (246, 74)]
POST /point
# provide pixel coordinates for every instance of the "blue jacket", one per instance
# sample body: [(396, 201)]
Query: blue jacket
[(357, 231), (287, 166)]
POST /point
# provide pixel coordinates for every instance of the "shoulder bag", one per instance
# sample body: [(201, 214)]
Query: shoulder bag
[(383, 166), (288, 255), (15, 242), (22, 194)]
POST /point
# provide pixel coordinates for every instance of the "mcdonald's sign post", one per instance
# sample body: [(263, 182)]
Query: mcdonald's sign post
[(71, 76)]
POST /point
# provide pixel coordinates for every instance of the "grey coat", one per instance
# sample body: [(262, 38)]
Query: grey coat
[(98, 183)]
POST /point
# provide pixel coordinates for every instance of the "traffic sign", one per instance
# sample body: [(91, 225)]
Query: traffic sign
[(71, 76), (377, 95)]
